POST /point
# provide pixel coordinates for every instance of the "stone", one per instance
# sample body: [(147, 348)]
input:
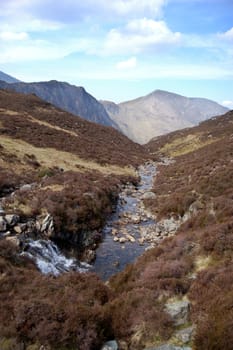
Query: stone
[(116, 239), (110, 345), (179, 311), (13, 239), (169, 347), (149, 195), (26, 188), (47, 226), (122, 239), (89, 256), (3, 224), (12, 219), (185, 335), (130, 238)]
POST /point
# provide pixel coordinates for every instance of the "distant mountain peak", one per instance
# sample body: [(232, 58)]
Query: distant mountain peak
[(160, 112)]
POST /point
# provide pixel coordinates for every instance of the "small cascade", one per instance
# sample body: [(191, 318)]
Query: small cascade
[(49, 258)]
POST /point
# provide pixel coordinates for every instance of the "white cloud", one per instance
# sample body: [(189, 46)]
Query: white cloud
[(227, 35), (128, 64), (228, 104), (13, 36), (140, 35)]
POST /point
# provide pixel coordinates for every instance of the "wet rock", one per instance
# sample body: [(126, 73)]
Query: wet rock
[(179, 311), (122, 239), (149, 195), (116, 239), (3, 224), (110, 345), (12, 219), (130, 238)]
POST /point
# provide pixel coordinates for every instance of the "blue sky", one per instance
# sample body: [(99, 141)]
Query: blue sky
[(122, 49)]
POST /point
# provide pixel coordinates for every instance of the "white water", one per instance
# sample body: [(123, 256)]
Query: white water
[(50, 260)]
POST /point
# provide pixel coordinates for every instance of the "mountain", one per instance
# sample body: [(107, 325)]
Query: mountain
[(71, 98), (8, 78), (159, 113)]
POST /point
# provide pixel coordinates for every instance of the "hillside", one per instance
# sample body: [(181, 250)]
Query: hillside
[(177, 296), (55, 151), (8, 78), (160, 113), (68, 97), (190, 274)]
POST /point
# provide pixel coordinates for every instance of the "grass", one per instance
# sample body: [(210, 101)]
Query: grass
[(50, 157), (186, 144)]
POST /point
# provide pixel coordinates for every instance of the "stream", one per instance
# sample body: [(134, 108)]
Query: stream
[(126, 235)]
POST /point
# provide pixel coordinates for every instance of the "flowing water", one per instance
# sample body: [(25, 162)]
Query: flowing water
[(127, 223), (49, 259), (111, 256)]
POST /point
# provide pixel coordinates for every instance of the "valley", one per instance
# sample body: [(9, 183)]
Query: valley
[(133, 243)]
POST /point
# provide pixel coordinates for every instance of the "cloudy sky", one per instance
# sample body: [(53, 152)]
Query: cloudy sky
[(122, 49)]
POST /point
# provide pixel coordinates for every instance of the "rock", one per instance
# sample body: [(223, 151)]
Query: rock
[(47, 226), (114, 231), (13, 239), (179, 311), (116, 239), (26, 188), (149, 195), (169, 347), (89, 256), (2, 211), (135, 219), (110, 345), (185, 335), (18, 229), (122, 239), (12, 219), (130, 238), (3, 224)]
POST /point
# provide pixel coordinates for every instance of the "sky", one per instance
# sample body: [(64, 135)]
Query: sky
[(119, 50)]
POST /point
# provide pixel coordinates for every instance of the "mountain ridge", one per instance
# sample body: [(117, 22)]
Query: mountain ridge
[(71, 98), (160, 112)]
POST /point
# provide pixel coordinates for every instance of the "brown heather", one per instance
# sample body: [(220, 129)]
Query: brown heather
[(76, 311)]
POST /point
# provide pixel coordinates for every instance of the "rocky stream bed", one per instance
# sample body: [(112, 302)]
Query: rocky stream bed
[(128, 232)]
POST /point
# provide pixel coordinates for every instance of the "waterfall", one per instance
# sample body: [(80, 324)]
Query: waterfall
[(49, 258)]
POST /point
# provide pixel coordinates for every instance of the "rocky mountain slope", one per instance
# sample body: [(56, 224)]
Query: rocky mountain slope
[(70, 98), (8, 78), (159, 113)]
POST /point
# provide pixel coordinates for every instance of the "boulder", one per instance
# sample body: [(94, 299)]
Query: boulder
[(13, 239), (179, 311), (110, 345), (122, 239), (47, 226)]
